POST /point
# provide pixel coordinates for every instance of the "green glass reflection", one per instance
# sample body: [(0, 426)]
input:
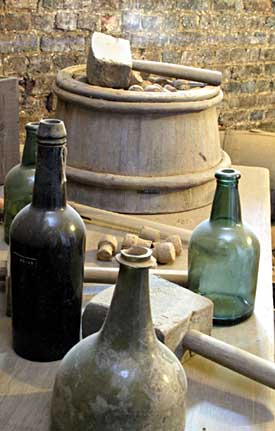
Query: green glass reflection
[(223, 255), (19, 180)]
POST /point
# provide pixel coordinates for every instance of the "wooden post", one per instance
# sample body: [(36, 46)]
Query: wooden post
[(9, 125)]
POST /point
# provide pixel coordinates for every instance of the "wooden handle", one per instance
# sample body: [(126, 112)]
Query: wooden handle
[(212, 77), (130, 224), (231, 357), (109, 275)]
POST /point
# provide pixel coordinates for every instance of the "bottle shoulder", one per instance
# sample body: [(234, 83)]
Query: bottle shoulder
[(33, 222), (19, 176), (137, 368), (218, 231)]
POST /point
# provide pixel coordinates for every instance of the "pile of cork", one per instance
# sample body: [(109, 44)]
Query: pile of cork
[(159, 84), (165, 251)]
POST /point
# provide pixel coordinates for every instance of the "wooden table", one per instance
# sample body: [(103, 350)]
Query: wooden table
[(218, 399)]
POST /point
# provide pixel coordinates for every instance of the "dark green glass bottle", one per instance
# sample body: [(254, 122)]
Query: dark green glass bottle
[(47, 241), (223, 255), (122, 378), (19, 180)]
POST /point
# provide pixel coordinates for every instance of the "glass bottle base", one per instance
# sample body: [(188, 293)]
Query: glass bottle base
[(229, 309)]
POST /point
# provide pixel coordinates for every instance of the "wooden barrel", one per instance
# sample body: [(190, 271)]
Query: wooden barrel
[(139, 152)]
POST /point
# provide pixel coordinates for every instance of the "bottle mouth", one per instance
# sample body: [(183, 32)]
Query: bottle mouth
[(136, 254), (32, 126), (51, 129), (228, 175), (137, 257)]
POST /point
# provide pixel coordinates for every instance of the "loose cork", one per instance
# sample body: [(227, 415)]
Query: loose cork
[(164, 252), (150, 233), (175, 239), (105, 252), (131, 239), (107, 247)]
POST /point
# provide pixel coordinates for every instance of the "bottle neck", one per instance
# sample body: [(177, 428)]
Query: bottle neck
[(30, 149), (129, 321), (226, 204), (50, 177)]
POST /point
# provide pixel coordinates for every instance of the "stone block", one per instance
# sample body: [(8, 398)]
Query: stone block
[(224, 4), (149, 5), (88, 22), (257, 5), (256, 115), (18, 42), (31, 4), (270, 22), (15, 65), (248, 87), (76, 4), (109, 61), (152, 23), (61, 61), (39, 64), (53, 4), (190, 22), (268, 54), (174, 311), (270, 114), (62, 43), (172, 56), (43, 21), (131, 21), (193, 4), (66, 20), (17, 21), (270, 69), (263, 85)]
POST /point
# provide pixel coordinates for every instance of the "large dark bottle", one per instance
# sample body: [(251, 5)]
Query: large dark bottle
[(47, 242), (122, 378), (223, 255), (19, 180)]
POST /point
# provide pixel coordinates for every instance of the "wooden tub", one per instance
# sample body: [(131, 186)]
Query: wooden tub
[(139, 152)]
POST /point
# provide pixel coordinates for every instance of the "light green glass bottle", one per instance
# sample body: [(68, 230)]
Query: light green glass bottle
[(223, 256), (19, 180)]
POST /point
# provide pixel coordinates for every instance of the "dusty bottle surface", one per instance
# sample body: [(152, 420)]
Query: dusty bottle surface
[(47, 242), (19, 180), (122, 377), (223, 255)]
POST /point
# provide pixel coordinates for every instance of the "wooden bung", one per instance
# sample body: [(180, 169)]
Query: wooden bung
[(175, 239), (107, 247), (131, 239), (150, 233), (164, 252)]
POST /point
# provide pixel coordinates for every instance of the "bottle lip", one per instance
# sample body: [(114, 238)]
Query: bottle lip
[(32, 126), (136, 257), (51, 131), (228, 175)]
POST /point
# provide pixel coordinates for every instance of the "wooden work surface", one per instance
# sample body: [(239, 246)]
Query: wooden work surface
[(218, 399)]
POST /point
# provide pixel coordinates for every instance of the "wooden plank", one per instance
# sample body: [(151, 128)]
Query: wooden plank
[(9, 125), (217, 398)]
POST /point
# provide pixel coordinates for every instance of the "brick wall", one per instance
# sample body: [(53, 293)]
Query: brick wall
[(39, 37)]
